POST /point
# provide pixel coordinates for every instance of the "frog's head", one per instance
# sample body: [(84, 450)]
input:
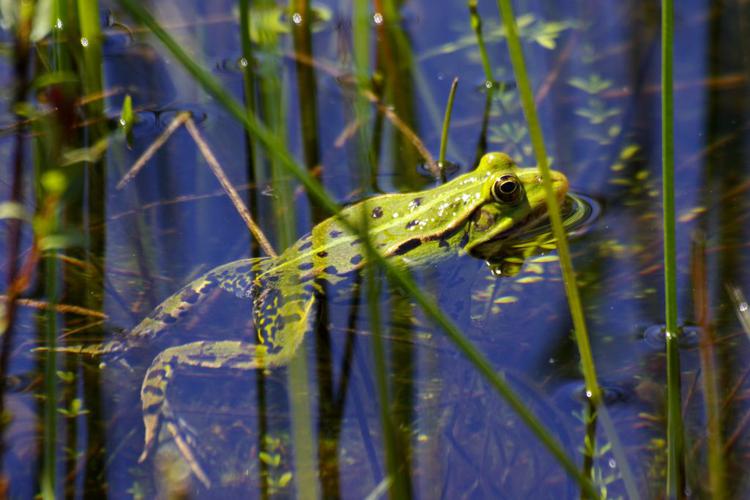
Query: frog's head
[(514, 200)]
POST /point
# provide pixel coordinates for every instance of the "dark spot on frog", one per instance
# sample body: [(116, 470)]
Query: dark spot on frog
[(356, 259), (207, 287), (190, 296), (444, 244), (305, 245), (152, 409), (202, 358), (156, 374), (407, 246), (331, 270), (322, 254), (416, 202), (377, 212), (156, 391), (280, 323), (411, 223), (239, 359), (464, 240), (335, 233), (305, 266), (168, 319), (356, 241)]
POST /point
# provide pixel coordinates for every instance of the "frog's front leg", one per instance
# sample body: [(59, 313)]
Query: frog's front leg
[(236, 277)]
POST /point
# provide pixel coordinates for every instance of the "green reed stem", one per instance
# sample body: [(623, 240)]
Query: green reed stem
[(540, 151), (49, 461), (362, 110), (476, 24), (675, 440), (566, 264), (446, 126), (277, 149), (299, 384), (91, 39)]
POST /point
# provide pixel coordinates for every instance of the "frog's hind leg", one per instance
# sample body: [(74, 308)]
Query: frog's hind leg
[(156, 408), (236, 277), (228, 354)]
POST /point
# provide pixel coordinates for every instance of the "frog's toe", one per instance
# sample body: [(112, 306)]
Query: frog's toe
[(186, 444)]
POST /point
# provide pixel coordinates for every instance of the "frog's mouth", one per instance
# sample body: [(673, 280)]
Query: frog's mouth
[(493, 245)]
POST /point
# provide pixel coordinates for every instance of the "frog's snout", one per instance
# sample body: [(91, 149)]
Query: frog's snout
[(560, 184)]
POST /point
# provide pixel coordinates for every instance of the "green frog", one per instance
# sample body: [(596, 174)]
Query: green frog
[(476, 213)]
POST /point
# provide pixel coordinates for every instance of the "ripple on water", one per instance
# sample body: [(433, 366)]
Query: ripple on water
[(579, 213), (655, 336), (166, 115), (612, 393)]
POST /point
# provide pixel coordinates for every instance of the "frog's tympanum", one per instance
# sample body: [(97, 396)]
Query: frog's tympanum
[(475, 213)]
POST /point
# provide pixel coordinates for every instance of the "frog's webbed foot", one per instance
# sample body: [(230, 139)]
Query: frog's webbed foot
[(156, 408)]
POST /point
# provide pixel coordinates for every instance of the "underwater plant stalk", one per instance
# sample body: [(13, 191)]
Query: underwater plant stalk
[(675, 438), (446, 126)]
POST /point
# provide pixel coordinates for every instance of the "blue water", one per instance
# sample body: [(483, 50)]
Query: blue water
[(173, 223)]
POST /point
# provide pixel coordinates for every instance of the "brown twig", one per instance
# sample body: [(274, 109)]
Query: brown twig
[(213, 163), (61, 308), (153, 148), (400, 125), (555, 73)]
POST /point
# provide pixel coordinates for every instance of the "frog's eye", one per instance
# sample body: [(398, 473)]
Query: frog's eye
[(507, 189)]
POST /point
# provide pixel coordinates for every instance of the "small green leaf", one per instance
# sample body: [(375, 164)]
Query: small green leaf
[(66, 377), (91, 154), (127, 119), (54, 78), (269, 459), (284, 479)]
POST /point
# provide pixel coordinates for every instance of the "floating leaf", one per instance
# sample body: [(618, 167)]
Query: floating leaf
[(284, 479)]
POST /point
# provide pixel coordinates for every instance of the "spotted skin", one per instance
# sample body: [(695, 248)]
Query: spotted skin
[(410, 229)]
